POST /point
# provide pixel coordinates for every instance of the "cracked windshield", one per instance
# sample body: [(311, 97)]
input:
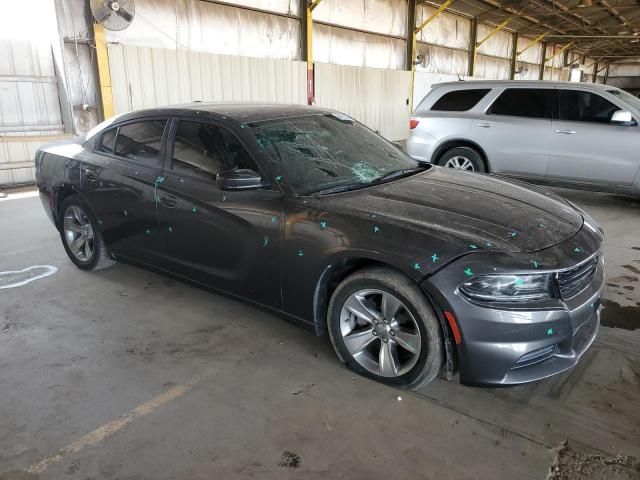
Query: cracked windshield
[(319, 154)]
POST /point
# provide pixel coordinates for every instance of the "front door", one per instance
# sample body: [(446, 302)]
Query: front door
[(515, 132), (118, 181), (587, 147), (230, 240)]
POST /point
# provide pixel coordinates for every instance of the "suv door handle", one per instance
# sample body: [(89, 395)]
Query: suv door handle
[(566, 132), (168, 201), (484, 125), (90, 174)]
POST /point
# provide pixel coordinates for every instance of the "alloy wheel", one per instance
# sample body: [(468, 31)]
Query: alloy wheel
[(78, 233), (380, 332), (460, 163)]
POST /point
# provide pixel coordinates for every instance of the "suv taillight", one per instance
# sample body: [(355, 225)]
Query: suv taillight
[(413, 123)]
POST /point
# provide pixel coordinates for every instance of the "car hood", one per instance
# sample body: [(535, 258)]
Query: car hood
[(475, 208)]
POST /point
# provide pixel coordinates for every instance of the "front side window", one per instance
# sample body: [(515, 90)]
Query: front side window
[(460, 100), (204, 150), (523, 102), (325, 153), (141, 141), (580, 106)]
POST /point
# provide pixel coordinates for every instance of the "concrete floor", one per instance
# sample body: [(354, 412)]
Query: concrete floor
[(126, 374)]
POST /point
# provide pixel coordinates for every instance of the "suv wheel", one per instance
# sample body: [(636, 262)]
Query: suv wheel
[(382, 326), (462, 158)]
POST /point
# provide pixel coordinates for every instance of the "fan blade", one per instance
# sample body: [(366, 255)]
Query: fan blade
[(102, 13), (124, 14)]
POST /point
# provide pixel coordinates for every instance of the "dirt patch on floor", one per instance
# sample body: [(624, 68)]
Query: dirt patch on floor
[(616, 316), (568, 464)]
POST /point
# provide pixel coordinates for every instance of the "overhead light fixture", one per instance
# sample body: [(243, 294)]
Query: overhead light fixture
[(585, 3)]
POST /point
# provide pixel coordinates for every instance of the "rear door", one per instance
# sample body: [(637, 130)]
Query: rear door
[(515, 131), (586, 146), (230, 240), (118, 180)]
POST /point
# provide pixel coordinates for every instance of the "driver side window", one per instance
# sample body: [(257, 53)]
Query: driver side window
[(204, 150)]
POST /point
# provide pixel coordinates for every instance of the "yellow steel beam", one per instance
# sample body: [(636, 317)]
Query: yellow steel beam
[(414, 42), (494, 31), (104, 75), (491, 34), (535, 41), (440, 9)]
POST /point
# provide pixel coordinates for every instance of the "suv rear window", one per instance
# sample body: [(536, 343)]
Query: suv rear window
[(524, 102), (459, 100)]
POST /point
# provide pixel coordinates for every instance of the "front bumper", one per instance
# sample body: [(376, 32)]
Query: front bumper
[(510, 346)]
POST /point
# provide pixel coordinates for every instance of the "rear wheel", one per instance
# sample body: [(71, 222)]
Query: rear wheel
[(462, 158), (382, 326), (80, 236)]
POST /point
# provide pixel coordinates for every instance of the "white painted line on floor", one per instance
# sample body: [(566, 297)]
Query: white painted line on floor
[(17, 196), (108, 429), (19, 278)]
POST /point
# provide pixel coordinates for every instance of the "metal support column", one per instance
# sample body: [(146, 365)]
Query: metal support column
[(104, 75), (411, 25), (544, 62), (473, 36), (491, 34), (414, 34), (514, 55), (309, 52)]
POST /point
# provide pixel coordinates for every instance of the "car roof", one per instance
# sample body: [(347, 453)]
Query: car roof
[(241, 112), (522, 83)]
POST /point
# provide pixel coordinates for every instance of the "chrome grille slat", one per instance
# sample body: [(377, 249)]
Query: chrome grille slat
[(573, 281)]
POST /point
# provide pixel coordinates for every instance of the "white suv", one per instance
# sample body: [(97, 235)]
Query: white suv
[(566, 134)]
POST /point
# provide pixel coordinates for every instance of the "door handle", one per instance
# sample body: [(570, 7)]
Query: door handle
[(90, 174), (566, 132), (484, 125), (168, 201)]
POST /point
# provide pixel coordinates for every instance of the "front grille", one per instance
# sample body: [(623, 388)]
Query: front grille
[(572, 282)]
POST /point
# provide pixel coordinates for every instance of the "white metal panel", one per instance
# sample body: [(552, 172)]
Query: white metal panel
[(346, 47), (208, 27), (492, 68), (29, 103), (533, 54), (144, 77), (528, 71), (446, 29), (443, 60), (624, 70), (382, 16), (499, 45), (375, 97), (289, 7)]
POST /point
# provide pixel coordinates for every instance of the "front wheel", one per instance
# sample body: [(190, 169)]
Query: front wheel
[(80, 236), (462, 158), (382, 326)]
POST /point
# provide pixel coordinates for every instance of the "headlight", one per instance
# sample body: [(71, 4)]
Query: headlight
[(508, 288)]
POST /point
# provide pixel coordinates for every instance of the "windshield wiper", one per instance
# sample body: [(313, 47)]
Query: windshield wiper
[(339, 188), (405, 172)]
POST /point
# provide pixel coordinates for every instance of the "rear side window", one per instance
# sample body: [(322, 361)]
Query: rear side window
[(578, 106), (141, 141), (460, 100), (523, 102), (108, 142)]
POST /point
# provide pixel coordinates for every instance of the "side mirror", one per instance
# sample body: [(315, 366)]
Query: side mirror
[(241, 179), (622, 117)]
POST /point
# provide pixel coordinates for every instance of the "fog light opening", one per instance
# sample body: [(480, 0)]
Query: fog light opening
[(535, 356)]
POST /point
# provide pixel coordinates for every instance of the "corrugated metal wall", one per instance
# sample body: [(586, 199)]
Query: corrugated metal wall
[(29, 106), (373, 96), (145, 77)]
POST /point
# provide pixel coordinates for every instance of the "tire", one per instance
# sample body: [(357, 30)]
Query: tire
[(414, 316), (463, 158), (80, 236)]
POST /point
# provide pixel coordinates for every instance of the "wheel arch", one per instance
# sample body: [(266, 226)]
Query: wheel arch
[(460, 142), (340, 269), (60, 194)]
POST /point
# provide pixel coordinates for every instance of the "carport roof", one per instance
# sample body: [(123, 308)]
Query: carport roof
[(598, 28)]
